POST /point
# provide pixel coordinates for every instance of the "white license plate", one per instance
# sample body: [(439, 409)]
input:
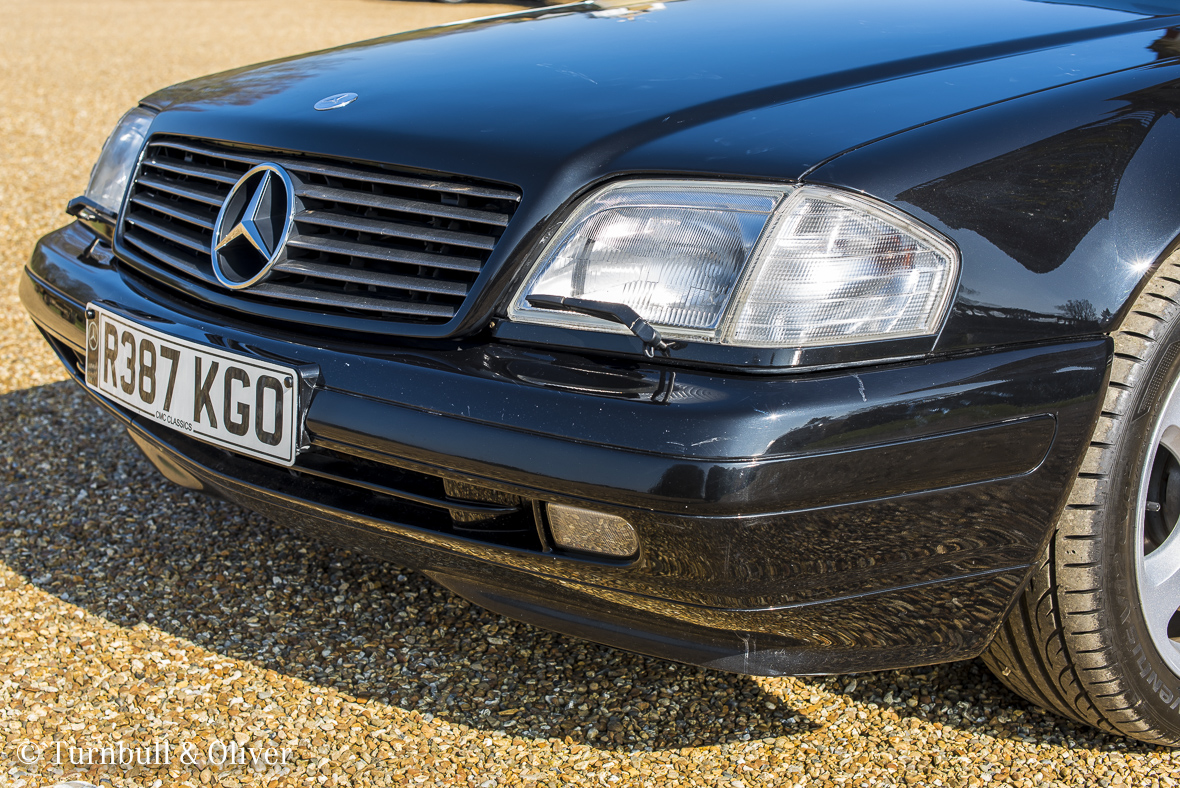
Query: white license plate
[(235, 401)]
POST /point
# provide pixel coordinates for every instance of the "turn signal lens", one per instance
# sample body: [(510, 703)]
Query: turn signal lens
[(837, 269), (588, 531)]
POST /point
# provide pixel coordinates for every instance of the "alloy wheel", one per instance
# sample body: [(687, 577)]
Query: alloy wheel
[(1157, 538)]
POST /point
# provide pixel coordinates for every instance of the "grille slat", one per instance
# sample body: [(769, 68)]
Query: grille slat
[(205, 173), (370, 244), (208, 152), (166, 256), (170, 208), (332, 245), (360, 224), (182, 189), (323, 168), (363, 277), (369, 200), (316, 168), (174, 233), (421, 308)]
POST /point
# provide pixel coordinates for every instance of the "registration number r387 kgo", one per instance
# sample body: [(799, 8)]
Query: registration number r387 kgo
[(236, 401)]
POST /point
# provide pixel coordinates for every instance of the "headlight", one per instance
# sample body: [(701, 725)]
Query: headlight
[(747, 264), (108, 179)]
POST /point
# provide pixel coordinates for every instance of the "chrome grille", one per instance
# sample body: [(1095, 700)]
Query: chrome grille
[(368, 242)]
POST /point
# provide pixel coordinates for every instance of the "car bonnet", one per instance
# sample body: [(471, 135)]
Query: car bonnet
[(555, 99)]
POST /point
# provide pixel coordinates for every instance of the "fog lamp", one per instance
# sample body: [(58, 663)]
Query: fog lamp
[(588, 531)]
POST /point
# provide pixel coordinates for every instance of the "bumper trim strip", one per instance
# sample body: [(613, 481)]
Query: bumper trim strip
[(455, 505)]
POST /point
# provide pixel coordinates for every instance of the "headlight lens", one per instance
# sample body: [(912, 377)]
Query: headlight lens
[(671, 251), (108, 179), (747, 264)]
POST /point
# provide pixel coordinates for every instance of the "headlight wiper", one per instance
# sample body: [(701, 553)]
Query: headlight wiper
[(618, 313)]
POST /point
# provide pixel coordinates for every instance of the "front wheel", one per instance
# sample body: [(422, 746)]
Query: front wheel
[(1096, 635)]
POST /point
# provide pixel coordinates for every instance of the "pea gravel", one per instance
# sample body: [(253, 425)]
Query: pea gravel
[(133, 612)]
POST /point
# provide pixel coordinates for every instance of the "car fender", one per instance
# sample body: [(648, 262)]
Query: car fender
[(1062, 202)]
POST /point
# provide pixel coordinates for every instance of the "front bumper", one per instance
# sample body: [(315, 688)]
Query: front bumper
[(806, 523)]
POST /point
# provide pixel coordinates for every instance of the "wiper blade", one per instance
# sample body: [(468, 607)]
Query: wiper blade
[(618, 313)]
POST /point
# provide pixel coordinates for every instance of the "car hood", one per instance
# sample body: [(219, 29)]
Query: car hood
[(554, 99)]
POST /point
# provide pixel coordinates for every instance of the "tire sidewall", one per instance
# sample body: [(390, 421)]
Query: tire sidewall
[(1147, 677)]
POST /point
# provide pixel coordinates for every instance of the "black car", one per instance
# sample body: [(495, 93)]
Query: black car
[(776, 337)]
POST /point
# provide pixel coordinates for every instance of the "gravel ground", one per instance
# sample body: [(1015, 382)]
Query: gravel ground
[(134, 613)]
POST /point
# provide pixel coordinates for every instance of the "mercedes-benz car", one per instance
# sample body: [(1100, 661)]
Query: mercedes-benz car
[(775, 337)]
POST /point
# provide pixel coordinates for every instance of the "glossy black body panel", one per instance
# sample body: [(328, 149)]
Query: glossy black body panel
[(1061, 203), (816, 510), (556, 101), (763, 505)]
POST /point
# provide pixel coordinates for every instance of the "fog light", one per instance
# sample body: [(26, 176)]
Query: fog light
[(591, 532)]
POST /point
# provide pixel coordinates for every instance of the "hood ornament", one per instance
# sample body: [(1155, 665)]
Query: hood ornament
[(336, 101), (252, 228)]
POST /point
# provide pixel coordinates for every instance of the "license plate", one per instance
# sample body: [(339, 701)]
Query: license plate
[(228, 399)]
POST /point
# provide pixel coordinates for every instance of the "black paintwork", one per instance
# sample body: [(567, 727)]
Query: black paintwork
[(970, 100), (1060, 230), (759, 501), (837, 518)]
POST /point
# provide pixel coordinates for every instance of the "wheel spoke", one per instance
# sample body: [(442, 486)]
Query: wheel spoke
[(1171, 414), (1170, 436), (1161, 582)]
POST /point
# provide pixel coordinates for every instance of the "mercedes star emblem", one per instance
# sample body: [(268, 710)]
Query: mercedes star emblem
[(251, 231), (336, 101)]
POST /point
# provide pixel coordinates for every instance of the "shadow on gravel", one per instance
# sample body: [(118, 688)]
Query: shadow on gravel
[(967, 697), (87, 519)]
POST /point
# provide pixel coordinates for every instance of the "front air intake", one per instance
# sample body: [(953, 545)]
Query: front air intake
[(369, 243)]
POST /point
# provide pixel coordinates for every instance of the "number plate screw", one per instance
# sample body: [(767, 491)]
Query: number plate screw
[(288, 382)]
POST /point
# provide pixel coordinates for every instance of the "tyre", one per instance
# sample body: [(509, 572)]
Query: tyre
[(1096, 634)]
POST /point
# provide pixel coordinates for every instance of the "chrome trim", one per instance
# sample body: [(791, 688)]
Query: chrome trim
[(246, 225), (335, 101)]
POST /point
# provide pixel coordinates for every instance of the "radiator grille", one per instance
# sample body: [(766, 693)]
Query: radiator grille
[(368, 242)]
